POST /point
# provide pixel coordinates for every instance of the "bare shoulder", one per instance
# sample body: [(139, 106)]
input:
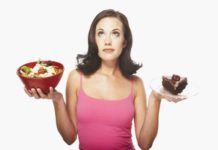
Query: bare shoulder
[(74, 79), (74, 74), (138, 81), (138, 84)]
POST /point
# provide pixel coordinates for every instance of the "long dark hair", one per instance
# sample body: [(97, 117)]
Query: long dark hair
[(90, 62)]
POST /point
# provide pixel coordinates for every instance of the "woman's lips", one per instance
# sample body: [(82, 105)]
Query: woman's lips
[(108, 50)]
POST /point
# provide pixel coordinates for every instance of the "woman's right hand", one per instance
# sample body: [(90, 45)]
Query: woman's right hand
[(38, 94)]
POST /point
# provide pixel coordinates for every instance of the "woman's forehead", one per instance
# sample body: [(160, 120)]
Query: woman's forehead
[(109, 23)]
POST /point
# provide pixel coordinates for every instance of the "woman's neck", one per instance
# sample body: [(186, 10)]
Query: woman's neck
[(109, 68)]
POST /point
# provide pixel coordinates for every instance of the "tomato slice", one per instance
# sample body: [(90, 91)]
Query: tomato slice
[(41, 71)]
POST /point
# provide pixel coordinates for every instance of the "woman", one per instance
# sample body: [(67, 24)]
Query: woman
[(102, 94)]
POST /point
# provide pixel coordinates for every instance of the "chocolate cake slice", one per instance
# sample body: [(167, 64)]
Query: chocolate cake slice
[(174, 84)]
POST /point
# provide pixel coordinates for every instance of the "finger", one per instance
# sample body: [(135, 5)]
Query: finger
[(51, 92), (35, 94), (168, 98), (28, 92), (180, 98), (176, 99), (41, 94)]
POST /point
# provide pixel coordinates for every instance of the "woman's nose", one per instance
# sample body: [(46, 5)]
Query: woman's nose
[(107, 40)]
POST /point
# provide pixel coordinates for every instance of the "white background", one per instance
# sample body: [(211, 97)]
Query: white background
[(169, 37)]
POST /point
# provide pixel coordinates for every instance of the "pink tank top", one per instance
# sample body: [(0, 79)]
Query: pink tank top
[(104, 124)]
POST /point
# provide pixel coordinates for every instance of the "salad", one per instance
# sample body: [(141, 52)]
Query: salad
[(41, 69)]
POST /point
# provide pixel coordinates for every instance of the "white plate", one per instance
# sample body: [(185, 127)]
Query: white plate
[(190, 90)]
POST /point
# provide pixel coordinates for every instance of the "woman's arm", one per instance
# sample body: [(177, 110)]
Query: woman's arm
[(146, 117), (66, 118), (65, 113), (63, 122), (150, 126)]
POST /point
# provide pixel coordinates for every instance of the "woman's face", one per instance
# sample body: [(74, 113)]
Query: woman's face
[(109, 36)]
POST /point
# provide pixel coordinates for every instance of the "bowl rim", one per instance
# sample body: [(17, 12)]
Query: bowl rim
[(19, 74)]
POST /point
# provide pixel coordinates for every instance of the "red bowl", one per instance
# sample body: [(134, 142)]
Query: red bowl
[(42, 83)]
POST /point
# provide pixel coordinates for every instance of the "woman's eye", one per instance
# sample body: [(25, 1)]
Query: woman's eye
[(115, 34), (100, 34)]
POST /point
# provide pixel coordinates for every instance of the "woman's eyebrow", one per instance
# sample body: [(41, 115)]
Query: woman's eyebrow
[(116, 29), (100, 29), (112, 29)]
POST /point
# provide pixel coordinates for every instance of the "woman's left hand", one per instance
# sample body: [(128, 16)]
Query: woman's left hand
[(169, 97), (174, 98)]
